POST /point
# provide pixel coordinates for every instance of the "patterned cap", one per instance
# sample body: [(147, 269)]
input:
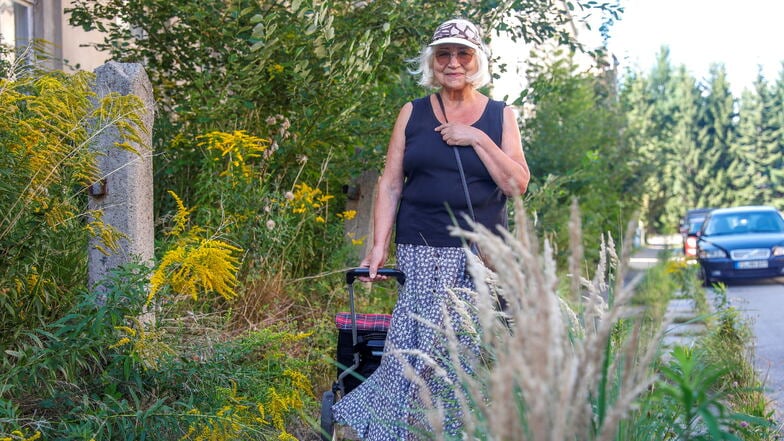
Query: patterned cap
[(457, 31)]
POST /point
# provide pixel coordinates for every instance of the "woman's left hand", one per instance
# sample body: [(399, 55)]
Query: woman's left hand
[(457, 134)]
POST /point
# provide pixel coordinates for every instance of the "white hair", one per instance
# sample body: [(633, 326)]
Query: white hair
[(428, 79)]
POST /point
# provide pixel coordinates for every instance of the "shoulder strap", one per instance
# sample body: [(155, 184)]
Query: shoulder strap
[(459, 163)]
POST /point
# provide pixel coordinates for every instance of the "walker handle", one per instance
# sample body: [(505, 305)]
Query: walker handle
[(365, 272)]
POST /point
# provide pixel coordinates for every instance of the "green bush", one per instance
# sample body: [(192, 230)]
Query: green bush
[(110, 371)]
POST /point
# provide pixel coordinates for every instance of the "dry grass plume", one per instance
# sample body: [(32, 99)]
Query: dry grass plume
[(558, 366)]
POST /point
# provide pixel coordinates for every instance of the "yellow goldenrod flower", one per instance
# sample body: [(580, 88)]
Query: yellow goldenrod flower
[(348, 214), (35, 436), (121, 342), (237, 148), (285, 436), (195, 264), (182, 216), (127, 329)]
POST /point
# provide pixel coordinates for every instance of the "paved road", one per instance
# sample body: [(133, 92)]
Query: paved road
[(762, 303)]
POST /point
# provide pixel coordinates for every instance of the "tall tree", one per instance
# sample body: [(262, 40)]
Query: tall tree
[(716, 132), (660, 108), (574, 149), (777, 169), (757, 150), (684, 156), (637, 106)]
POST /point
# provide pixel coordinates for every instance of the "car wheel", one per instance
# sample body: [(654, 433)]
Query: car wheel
[(703, 275)]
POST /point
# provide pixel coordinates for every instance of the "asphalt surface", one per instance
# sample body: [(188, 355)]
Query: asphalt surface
[(762, 302)]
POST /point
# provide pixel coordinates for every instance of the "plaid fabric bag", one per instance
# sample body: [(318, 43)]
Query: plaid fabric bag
[(365, 322)]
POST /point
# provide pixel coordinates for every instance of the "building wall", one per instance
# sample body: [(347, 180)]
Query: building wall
[(86, 58), (45, 20)]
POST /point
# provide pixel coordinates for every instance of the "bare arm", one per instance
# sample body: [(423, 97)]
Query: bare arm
[(389, 190), (506, 165)]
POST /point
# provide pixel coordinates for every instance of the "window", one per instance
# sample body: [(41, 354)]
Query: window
[(16, 24)]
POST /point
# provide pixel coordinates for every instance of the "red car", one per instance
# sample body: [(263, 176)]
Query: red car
[(690, 229)]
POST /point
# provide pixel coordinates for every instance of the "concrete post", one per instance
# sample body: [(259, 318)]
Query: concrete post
[(125, 194), (362, 197)]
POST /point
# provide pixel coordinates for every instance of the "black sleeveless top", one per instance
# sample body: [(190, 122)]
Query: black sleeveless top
[(433, 197)]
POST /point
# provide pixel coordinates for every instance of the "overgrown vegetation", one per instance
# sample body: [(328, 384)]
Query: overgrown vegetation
[(577, 117), (74, 367), (46, 124), (105, 372), (266, 110), (708, 389)]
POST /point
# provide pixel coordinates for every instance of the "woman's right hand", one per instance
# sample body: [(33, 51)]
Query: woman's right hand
[(374, 260)]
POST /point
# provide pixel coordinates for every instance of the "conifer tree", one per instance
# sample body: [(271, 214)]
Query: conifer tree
[(757, 150), (685, 160), (777, 168), (659, 110), (716, 131)]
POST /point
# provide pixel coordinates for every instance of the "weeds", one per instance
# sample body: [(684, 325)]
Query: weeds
[(99, 373), (585, 365), (555, 370)]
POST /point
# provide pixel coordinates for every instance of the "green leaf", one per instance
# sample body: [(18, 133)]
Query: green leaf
[(15, 354)]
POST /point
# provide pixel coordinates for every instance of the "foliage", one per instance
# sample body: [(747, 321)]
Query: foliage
[(5, 60), (702, 413), (656, 288), (298, 74), (75, 367), (728, 345), (107, 371), (195, 264), (301, 61), (708, 390), (757, 152), (703, 146), (574, 150), (47, 123)]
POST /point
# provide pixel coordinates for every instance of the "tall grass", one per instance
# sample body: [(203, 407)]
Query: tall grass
[(557, 366), (583, 362)]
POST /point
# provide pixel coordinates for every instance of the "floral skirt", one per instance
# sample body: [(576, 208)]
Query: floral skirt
[(417, 374)]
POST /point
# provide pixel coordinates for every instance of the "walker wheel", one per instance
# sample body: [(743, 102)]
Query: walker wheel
[(328, 430)]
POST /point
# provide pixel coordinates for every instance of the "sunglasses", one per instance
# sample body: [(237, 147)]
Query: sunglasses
[(464, 56)]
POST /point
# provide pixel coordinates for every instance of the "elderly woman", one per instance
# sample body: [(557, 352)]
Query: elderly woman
[(452, 155)]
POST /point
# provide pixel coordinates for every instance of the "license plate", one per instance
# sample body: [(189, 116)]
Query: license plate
[(751, 264)]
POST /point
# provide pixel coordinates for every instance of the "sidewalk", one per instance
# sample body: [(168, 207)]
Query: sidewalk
[(682, 317)]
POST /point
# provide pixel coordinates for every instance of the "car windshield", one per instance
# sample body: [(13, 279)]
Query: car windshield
[(741, 223), (695, 225)]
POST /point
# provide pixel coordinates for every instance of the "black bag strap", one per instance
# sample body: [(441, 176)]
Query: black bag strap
[(459, 163)]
